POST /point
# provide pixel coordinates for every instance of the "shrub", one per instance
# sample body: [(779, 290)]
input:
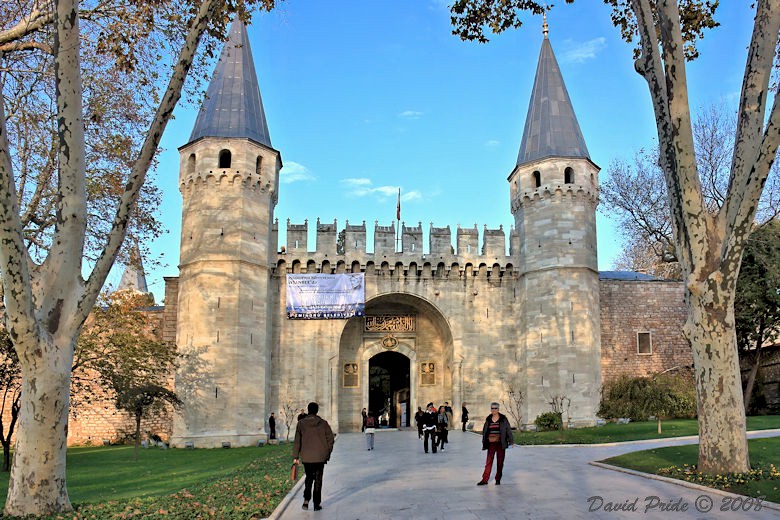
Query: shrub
[(549, 421), (671, 396)]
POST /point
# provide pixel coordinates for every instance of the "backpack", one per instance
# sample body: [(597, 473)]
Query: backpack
[(370, 422)]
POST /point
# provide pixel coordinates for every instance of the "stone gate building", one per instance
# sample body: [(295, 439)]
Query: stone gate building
[(450, 318)]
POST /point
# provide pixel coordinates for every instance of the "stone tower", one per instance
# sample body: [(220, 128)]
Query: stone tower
[(228, 178), (554, 193)]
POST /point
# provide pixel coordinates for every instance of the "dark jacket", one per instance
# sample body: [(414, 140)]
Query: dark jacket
[(505, 432), (313, 440), (430, 419), (442, 422)]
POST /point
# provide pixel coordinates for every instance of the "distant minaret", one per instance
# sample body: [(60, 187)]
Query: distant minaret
[(133, 277), (554, 193), (229, 174)]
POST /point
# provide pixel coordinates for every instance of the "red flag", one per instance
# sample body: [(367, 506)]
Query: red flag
[(398, 206)]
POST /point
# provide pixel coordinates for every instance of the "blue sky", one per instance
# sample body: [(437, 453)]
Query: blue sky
[(363, 97)]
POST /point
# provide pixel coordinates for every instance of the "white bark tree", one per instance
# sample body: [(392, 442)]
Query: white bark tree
[(708, 245), (47, 302)]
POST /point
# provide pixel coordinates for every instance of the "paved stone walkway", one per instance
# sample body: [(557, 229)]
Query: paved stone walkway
[(397, 480)]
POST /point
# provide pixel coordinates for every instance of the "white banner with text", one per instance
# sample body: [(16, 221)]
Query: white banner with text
[(325, 296)]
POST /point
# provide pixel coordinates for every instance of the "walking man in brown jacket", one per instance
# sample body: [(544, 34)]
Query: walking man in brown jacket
[(313, 446)]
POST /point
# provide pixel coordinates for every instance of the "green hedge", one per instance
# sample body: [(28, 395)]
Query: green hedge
[(548, 421), (669, 396)]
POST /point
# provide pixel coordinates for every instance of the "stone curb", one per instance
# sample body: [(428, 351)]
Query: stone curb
[(691, 485), (286, 500), (775, 431)]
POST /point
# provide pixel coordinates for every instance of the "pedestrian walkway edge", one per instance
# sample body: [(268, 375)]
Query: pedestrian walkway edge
[(691, 485), (286, 500)]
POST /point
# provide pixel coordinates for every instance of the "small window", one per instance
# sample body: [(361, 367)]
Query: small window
[(224, 159), (259, 165), (644, 343), (568, 176), (191, 164), (537, 179)]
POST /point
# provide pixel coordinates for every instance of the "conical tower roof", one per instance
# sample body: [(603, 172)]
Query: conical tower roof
[(551, 128), (133, 278), (233, 106)]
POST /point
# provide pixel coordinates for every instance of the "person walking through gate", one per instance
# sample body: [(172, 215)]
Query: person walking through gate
[(496, 438), (429, 421), (272, 426), (370, 430), (450, 416), (464, 416), (441, 427), (313, 446), (418, 419)]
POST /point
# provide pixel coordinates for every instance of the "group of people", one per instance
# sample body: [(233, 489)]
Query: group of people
[(433, 425), (497, 435), (314, 442)]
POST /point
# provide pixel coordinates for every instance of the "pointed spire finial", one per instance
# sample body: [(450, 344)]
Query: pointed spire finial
[(551, 127), (545, 28), (233, 106)]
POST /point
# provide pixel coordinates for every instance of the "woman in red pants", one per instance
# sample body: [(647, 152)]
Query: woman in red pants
[(496, 438)]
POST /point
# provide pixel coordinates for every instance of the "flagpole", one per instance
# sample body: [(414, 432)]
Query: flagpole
[(398, 219)]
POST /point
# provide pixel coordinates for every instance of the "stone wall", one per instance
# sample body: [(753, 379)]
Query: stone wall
[(629, 307), (768, 378), (94, 419)]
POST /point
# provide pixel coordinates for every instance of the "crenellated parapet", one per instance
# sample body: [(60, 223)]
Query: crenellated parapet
[(345, 250), (575, 193), (228, 163), (354, 238)]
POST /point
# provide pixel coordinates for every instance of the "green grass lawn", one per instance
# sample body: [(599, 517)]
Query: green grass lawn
[(634, 431), (240, 483), (764, 453)]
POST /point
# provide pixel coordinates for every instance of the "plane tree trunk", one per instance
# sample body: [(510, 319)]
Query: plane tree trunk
[(710, 244), (46, 304)]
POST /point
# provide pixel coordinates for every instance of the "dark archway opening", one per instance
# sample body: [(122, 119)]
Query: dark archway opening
[(388, 389)]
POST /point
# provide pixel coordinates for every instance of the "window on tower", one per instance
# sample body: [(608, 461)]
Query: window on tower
[(224, 159), (191, 164), (644, 343), (568, 176), (537, 179)]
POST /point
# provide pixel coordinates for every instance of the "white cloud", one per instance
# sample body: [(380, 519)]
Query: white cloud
[(582, 52), (387, 191), (362, 187), (294, 172), (440, 4), (492, 143), (362, 181), (410, 114), (411, 195)]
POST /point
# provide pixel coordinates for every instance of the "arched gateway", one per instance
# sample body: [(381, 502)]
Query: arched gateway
[(396, 358), (462, 320)]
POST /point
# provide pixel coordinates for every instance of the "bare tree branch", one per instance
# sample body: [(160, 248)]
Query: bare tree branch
[(145, 157)]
